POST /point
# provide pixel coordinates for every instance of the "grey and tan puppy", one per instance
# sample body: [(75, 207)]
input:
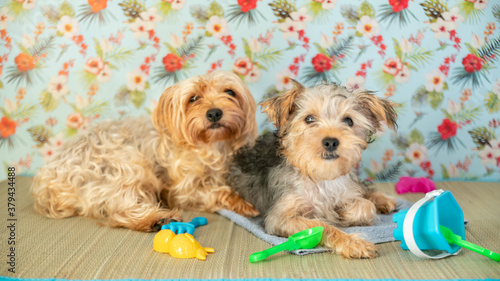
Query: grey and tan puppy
[(302, 175)]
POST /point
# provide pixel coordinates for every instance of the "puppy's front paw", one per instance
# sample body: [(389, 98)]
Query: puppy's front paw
[(384, 203), (352, 246), (387, 206)]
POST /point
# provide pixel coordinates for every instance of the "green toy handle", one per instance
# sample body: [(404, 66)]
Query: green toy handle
[(258, 256), (477, 249), (457, 240)]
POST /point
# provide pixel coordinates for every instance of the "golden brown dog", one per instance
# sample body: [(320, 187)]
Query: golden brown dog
[(121, 169)]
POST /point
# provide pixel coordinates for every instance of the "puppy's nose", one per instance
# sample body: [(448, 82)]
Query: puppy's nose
[(214, 115), (330, 144)]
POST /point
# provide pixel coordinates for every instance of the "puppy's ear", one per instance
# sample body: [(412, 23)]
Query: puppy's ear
[(377, 110), (281, 107), (163, 115)]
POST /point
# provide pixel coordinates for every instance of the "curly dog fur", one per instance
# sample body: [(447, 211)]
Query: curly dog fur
[(138, 173)]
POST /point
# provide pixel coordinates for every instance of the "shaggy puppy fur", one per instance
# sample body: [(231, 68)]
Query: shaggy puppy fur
[(121, 169), (303, 175)]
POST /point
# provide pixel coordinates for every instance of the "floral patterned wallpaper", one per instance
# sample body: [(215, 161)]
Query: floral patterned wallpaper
[(67, 64)]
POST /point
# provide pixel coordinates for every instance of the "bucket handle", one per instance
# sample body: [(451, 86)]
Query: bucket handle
[(408, 227)]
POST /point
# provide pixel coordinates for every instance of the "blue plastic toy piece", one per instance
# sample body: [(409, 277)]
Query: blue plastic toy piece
[(443, 210), (185, 227)]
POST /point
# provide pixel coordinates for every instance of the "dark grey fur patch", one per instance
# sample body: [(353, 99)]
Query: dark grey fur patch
[(264, 155), (249, 172)]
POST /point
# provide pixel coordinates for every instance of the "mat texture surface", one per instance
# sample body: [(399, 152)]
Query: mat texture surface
[(80, 248), (381, 232)]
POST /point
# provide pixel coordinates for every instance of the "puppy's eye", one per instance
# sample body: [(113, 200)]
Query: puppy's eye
[(348, 121), (230, 92), (309, 119), (193, 99)]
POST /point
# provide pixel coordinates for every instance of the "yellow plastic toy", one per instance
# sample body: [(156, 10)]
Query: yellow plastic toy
[(182, 246)]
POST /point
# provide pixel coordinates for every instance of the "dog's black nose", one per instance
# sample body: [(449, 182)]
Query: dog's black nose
[(330, 144), (214, 115)]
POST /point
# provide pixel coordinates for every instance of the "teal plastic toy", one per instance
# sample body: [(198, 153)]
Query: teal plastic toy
[(306, 239), (436, 222), (185, 227)]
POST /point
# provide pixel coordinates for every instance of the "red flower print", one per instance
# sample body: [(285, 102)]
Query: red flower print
[(392, 66), (377, 39), (7, 127), (321, 63), (398, 5), (425, 165), (431, 173), (447, 129), (242, 66), (472, 63), (226, 39), (172, 62), (247, 5), (97, 5), (24, 62)]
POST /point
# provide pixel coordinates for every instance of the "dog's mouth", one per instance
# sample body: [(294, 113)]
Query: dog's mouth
[(215, 126), (329, 156)]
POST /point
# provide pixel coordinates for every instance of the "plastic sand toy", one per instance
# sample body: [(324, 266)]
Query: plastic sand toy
[(176, 239), (414, 185), (182, 246), (306, 239), (457, 240), (185, 227), (436, 222)]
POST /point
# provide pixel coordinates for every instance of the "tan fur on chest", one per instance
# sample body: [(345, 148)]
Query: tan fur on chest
[(194, 179), (323, 199)]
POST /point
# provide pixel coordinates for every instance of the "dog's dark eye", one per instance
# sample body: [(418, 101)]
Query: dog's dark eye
[(309, 119), (230, 92), (193, 99), (348, 121)]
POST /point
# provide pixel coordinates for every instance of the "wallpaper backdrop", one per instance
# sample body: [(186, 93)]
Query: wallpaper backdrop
[(67, 64)]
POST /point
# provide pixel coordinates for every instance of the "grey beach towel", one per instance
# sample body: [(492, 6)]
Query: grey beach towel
[(381, 232)]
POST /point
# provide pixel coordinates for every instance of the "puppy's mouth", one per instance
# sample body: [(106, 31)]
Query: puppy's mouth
[(330, 156)]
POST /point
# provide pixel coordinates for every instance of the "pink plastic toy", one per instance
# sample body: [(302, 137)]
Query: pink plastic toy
[(414, 185)]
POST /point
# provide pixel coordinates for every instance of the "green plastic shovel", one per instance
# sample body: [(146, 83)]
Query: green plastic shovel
[(452, 238), (306, 239)]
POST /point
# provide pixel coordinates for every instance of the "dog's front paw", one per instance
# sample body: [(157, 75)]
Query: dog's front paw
[(150, 222), (165, 217), (248, 210), (384, 203), (242, 207), (387, 207), (352, 246)]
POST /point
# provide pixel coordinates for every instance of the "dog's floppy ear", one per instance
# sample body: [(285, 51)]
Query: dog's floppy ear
[(280, 108), (163, 116), (377, 109)]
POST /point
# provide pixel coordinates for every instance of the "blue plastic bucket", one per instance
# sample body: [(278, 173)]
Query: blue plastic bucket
[(443, 210)]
